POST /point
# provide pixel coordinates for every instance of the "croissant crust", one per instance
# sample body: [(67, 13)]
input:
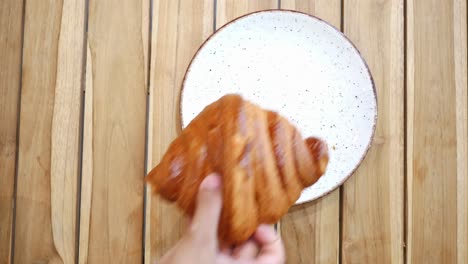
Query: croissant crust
[(263, 160)]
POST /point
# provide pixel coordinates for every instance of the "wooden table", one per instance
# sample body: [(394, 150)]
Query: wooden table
[(82, 81)]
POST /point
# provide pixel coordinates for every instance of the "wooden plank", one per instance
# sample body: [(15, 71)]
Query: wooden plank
[(87, 163), (11, 14), (437, 134), (87, 167), (461, 84), (179, 28), (228, 10), (373, 198), (114, 133), (329, 11), (48, 151), (311, 231)]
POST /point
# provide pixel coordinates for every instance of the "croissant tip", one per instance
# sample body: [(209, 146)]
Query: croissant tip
[(147, 177), (151, 178), (323, 163), (319, 150)]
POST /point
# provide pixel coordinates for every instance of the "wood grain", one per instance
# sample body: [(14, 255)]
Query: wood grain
[(179, 28), (373, 198), (228, 10), (311, 231), (11, 14), (112, 213), (437, 135), (87, 163), (329, 11), (49, 132), (461, 84)]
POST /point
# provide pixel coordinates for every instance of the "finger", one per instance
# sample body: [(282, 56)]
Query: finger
[(222, 258), (271, 246), (209, 204), (225, 250), (189, 221), (249, 250)]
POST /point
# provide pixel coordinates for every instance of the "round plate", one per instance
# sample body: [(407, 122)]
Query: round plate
[(299, 66)]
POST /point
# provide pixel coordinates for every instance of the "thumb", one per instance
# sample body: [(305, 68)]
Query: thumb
[(208, 210)]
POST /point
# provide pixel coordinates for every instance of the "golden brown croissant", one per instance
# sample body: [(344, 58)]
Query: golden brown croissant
[(263, 160)]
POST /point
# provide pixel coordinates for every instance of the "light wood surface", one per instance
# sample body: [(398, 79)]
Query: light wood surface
[(437, 135), (114, 168), (228, 10), (65, 135), (45, 228), (461, 84), (328, 10), (311, 231), (11, 14), (86, 183), (179, 28), (373, 205), (90, 103)]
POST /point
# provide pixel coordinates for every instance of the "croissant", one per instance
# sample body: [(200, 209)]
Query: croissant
[(263, 160)]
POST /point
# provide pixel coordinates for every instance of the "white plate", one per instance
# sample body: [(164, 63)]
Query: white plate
[(303, 68)]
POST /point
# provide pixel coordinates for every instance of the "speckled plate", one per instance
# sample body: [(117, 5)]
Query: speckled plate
[(303, 68)]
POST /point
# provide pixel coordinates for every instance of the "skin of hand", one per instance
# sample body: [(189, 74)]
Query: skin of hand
[(200, 243)]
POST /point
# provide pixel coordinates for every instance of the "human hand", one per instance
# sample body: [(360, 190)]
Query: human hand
[(200, 244)]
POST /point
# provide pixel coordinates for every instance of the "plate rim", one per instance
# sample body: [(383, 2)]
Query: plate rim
[(374, 91)]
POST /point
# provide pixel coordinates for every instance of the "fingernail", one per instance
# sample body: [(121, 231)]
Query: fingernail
[(211, 182)]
